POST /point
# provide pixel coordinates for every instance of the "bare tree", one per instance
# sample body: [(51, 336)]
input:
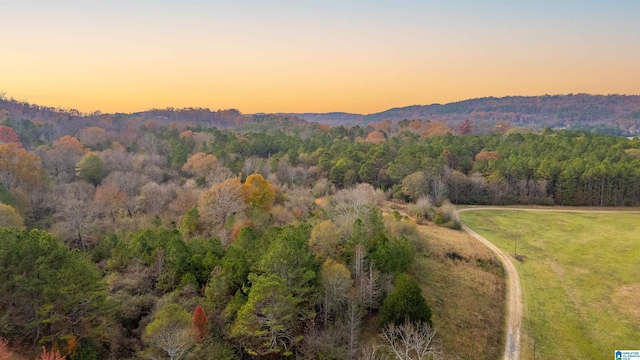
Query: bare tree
[(74, 211), (325, 240), (201, 137), (370, 352), (369, 288), (336, 281), (354, 317), (478, 183), (412, 341), (171, 331), (366, 282), (253, 165), (355, 203), (459, 183), (117, 159), (92, 135), (219, 174), (128, 184), (61, 157), (221, 201), (322, 187), (154, 197), (152, 144), (439, 189), (359, 262)]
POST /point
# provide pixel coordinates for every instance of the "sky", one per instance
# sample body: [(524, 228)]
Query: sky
[(360, 56)]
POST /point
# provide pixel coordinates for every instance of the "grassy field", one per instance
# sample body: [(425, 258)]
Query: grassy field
[(464, 285), (580, 275)]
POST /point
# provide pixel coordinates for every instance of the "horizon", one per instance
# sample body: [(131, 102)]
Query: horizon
[(4, 96), (313, 56)]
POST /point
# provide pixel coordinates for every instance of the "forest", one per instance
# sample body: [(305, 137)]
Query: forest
[(254, 236)]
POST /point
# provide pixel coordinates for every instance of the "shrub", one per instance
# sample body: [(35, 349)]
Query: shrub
[(423, 208)]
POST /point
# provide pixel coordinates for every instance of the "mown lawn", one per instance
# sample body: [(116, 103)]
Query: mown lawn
[(580, 278)]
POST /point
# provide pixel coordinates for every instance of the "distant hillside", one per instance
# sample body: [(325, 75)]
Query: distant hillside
[(59, 122), (19, 110), (332, 118), (606, 114), (609, 114)]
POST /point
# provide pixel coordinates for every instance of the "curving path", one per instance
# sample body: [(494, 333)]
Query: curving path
[(514, 304)]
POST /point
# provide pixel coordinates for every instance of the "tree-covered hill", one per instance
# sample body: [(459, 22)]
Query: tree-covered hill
[(607, 114), (604, 114)]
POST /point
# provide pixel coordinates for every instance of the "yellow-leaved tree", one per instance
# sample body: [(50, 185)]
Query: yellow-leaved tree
[(9, 217), (258, 192)]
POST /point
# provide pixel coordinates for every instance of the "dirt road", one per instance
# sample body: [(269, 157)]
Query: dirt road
[(514, 302)]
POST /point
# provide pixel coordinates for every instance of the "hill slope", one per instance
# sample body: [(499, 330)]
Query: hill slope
[(609, 114), (605, 114)]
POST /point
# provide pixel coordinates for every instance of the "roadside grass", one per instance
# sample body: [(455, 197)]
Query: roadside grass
[(580, 277), (464, 284)]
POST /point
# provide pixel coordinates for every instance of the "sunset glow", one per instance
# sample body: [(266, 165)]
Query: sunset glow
[(311, 56)]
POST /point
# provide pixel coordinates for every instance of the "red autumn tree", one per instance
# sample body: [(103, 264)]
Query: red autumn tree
[(200, 324), (52, 354), (8, 135), (5, 352), (465, 128)]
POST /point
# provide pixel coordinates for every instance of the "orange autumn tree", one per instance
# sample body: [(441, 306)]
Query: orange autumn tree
[(112, 202), (72, 345), (436, 128), (258, 192), (376, 137), (18, 167), (61, 158), (200, 324), (5, 351), (200, 164), (488, 155)]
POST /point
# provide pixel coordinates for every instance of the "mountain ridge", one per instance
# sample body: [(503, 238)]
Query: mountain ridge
[(615, 114), (608, 114)]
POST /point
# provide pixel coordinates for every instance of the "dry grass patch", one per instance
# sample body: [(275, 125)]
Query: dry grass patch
[(627, 300), (464, 285)]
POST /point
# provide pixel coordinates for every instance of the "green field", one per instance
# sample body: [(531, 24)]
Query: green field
[(580, 278)]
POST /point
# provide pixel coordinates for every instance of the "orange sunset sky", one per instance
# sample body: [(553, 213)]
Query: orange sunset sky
[(311, 56)]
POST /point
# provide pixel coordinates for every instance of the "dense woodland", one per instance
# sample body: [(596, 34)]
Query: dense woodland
[(235, 236)]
